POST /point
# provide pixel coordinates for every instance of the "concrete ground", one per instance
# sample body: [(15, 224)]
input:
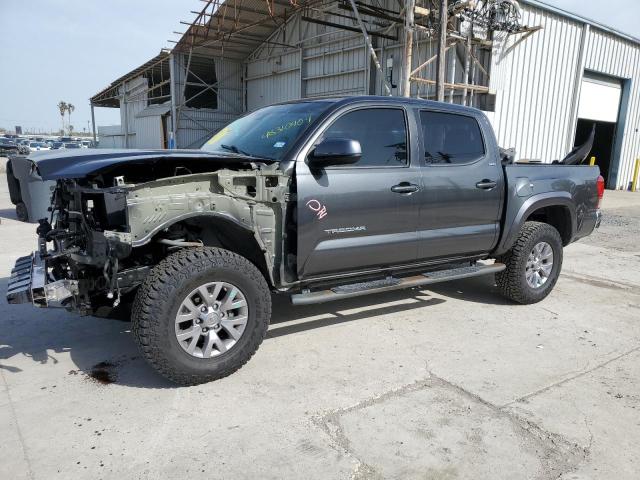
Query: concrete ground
[(441, 383)]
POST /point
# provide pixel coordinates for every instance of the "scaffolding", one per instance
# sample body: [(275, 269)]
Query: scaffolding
[(199, 72), (233, 28)]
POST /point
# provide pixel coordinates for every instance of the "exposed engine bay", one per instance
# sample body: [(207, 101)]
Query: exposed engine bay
[(107, 230)]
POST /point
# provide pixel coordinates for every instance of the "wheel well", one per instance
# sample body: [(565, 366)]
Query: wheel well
[(223, 233), (557, 216)]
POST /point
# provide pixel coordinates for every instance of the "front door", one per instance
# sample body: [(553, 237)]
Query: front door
[(461, 199), (364, 215)]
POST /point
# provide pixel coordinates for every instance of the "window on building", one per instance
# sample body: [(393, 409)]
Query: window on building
[(382, 133), (450, 138), (201, 90)]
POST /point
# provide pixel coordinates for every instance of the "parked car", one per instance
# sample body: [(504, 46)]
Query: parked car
[(72, 145), (320, 200), (8, 147), (38, 146)]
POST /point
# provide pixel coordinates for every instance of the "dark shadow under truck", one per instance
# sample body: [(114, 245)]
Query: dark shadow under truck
[(321, 200)]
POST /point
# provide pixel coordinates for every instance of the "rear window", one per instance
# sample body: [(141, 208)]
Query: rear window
[(451, 139)]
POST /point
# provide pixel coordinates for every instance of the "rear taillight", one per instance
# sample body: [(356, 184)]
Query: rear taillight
[(600, 189)]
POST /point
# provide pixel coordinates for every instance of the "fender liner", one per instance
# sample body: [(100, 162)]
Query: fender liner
[(254, 232), (513, 223), (152, 233)]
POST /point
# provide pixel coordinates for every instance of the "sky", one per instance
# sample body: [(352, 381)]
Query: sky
[(52, 50)]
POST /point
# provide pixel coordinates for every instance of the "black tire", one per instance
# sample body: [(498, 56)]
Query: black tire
[(512, 281), (21, 212), (161, 294), (14, 185)]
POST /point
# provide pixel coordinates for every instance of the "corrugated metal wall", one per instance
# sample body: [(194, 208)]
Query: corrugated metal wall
[(196, 125), (326, 62), (537, 86), (536, 80), (136, 101), (336, 62), (110, 136), (149, 131)]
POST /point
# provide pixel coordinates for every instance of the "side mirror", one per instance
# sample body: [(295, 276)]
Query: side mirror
[(335, 151)]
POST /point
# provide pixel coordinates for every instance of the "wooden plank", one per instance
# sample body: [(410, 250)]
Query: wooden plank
[(453, 86)]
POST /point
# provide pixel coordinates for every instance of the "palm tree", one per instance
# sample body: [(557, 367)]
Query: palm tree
[(70, 109), (62, 107)]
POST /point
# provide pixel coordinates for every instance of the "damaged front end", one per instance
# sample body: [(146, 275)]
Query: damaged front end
[(79, 248), (106, 233)]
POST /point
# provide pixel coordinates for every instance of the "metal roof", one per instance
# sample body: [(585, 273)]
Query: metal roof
[(109, 96), (235, 28)]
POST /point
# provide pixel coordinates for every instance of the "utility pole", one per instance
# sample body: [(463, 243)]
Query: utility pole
[(408, 45), (442, 54), (372, 51)]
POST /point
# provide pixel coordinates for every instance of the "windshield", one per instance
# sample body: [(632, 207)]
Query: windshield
[(268, 132)]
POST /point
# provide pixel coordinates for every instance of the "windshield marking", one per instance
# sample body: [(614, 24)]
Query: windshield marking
[(286, 126)]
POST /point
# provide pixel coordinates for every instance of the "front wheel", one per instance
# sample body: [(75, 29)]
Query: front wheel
[(201, 314), (533, 264)]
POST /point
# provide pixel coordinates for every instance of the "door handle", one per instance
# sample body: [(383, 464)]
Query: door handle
[(486, 184), (405, 187)]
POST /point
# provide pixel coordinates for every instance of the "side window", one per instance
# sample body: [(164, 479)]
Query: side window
[(451, 139), (382, 133)]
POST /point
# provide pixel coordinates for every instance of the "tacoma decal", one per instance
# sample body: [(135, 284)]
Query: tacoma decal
[(333, 231)]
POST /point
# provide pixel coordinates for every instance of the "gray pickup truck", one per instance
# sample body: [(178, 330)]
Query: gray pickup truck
[(321, 200)]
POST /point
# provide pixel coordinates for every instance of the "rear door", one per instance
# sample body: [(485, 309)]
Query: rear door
[(364, 215), (461, 199)]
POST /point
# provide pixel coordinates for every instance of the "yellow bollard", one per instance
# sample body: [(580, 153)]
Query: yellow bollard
[(592, 162), (636, 172)]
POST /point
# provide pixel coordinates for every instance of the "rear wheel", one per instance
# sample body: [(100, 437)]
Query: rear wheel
[(533, 264), (201, 314)]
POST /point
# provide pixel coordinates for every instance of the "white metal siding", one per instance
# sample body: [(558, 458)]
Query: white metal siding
[(273, 79), (535, 84), (536, 79), (196, 125), (149, 132), (136, 101), (110, 136)]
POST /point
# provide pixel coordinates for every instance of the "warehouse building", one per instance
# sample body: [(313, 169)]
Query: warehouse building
[(543, 76)]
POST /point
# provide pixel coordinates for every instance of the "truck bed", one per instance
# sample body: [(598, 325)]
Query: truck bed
[(574, 186)]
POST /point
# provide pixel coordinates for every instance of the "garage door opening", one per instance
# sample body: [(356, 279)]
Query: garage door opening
[(600, 97), (602, 143)]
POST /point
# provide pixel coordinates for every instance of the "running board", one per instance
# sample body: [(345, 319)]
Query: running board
[(393, 283)]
